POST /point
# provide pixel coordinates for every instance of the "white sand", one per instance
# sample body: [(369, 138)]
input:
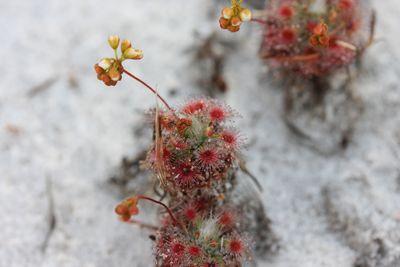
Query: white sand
[(74, 137)]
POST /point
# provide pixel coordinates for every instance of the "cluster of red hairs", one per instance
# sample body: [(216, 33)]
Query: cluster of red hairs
[(210, 236), (193, 156), (310, 40), (198, 145)]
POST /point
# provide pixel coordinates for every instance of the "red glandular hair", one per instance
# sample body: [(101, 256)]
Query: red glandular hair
[(199, 145), (293, 42), (208, 240)]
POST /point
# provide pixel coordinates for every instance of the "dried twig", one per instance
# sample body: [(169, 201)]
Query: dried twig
[(47, 84), (52, 221)]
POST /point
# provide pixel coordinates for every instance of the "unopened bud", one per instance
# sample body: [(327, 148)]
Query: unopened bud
[(98, 69), (227, 13), (105, 63), (132, 53), (314, 41), (209, 131), (232, 28), (121, 209), (235, 21), (133, 210), (324, 40), (125, 45), (321, 28), (105, 78), (113, 41), (223, 23), (125, 217), (245, 15), (114, 74)]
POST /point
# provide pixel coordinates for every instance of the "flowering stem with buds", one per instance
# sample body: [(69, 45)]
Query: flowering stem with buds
[(110, 70)]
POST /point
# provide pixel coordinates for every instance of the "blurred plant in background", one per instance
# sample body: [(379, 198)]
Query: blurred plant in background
[(314, 38), (314, 50)]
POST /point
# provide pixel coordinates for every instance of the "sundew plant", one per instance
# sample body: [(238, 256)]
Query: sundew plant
[(193, 159)]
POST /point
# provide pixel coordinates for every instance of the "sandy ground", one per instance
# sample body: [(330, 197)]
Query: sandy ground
[(62, 134)]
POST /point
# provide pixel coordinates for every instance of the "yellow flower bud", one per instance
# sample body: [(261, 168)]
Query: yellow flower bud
[(113, 40), (114, 74), (245, 15), (227, 13), (105, 63), (132, 53), (235, 21), (125, 45)]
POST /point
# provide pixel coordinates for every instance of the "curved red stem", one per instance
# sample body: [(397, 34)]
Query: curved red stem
[(259, 21), (162, 204), (148, 87)]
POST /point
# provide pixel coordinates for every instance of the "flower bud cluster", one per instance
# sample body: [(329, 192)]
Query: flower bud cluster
[(127, 208), (110, 70), (320, 36), (232, 17)]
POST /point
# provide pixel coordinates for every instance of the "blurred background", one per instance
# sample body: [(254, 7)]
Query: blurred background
[(63, 134)]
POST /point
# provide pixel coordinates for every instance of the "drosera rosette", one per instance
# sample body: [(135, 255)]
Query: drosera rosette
[(313, 49), (205, 245), (200, 149), (306, 42), (211, 238), (199, 231), (315, 38)]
